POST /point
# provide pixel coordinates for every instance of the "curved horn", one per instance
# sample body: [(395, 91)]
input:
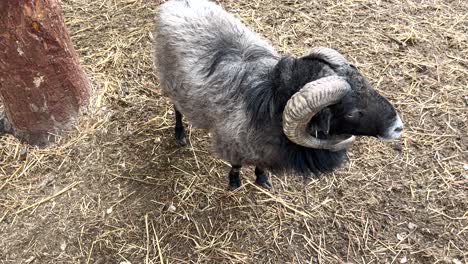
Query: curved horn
[(329, 55), (304, 104)]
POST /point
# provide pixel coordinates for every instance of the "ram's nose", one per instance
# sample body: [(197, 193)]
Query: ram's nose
[(394, 131)]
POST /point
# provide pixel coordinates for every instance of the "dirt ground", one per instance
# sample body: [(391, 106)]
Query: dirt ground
[(116, 189)]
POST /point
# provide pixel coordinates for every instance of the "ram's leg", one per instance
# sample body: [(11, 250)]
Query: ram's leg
[(234, 177), (179, 129), (262, 178)]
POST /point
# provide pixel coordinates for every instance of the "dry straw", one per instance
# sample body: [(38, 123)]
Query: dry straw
[(117, 189)]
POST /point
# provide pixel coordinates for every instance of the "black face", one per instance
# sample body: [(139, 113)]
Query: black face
[(362, 112)]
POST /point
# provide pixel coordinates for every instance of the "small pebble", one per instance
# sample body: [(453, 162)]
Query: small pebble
[(63, 245), (403, 260), (171, 208), (109, 210), (456, 261), (397, 147), (465, 167), (412, 226), (202, 205), (23, 154)]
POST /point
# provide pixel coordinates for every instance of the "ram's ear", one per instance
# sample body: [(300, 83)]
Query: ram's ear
[(284, 70), (322, 122)]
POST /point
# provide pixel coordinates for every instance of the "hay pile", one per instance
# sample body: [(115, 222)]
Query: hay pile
[(116, 189)]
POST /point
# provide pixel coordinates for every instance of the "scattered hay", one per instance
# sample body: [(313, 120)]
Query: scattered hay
[(117, 190)]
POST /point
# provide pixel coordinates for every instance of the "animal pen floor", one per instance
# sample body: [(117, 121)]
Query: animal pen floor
[(116, 189)]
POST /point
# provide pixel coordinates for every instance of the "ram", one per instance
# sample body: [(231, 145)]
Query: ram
[(278, 113)]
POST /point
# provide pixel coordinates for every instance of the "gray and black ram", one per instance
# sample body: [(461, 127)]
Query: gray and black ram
[(278, 113)]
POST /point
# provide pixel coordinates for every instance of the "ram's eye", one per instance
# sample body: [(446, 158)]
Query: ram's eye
[(354, 114)]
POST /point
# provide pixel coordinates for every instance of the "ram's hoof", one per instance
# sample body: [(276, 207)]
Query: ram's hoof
[(5, 127), (180, 136), (263, 181), (234, 184), (182, 142)]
